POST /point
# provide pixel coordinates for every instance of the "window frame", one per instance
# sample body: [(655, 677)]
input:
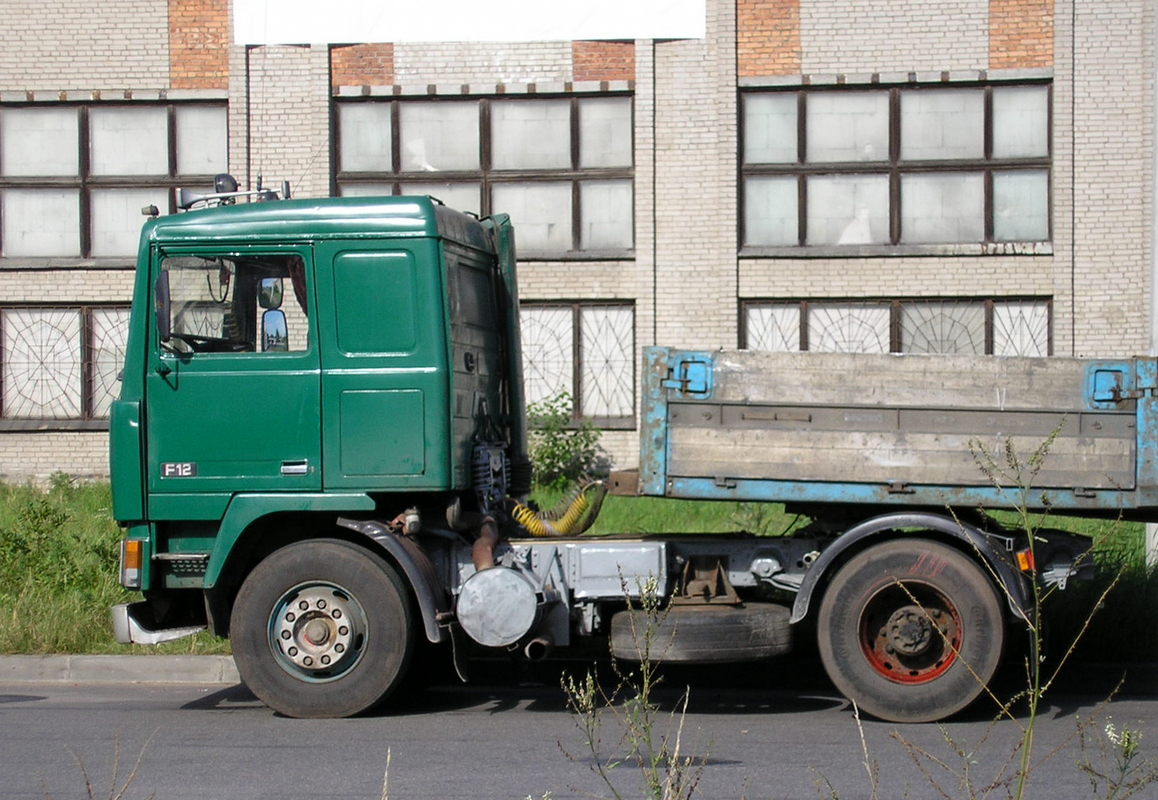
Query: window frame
[(895, 168), (895, 306), (85, 182), (486, 176), (575, 388), (87, 420)]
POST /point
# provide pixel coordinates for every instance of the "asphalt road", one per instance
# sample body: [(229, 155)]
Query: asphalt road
[(775, 732)]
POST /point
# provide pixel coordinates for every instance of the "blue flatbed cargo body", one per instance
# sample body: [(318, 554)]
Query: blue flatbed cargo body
[(901, 430)]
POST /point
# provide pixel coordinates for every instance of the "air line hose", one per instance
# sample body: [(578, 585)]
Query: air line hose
[(572, 517)]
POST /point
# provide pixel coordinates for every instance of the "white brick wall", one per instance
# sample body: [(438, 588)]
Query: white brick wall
[(1112, 155), (893, 35), (695, 193), (34, 457), (81, 44), (685, 279), (67, 287), (482, 62), (289, 118)]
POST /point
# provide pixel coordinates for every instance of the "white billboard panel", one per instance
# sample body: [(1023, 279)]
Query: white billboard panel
[(354, 21)]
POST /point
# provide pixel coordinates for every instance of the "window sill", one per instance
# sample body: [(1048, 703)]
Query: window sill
[(52, 425), (603, 423), (902, 250), (43, 263), (576, 255)]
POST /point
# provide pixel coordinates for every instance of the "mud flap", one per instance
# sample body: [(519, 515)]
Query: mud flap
[(459, 645)]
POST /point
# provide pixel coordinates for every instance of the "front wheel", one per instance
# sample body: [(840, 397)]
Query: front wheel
[(322, 628), (911, 630)]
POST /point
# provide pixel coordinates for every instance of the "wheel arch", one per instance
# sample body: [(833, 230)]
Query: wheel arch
[(251, 530), (957, 533)]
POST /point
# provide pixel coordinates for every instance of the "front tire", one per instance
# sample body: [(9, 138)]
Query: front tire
[(322, 628), (911, 630)]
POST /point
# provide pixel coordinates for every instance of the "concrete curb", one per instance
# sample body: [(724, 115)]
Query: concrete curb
[(1139, 678), (118, 669)]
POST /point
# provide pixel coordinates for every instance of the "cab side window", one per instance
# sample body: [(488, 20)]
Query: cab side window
[(233, 304)]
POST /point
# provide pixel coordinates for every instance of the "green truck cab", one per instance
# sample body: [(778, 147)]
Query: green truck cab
[(291, 364)]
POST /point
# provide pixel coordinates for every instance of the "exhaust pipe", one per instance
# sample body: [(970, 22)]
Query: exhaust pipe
[(539, 648), (483, 551)]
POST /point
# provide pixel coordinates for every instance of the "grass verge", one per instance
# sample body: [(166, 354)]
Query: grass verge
[(58, 573)]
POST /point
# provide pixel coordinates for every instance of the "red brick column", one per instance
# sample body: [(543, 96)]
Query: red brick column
[(199, 44), (767, 37), (1020, 34), (362, 65), (603, 61)]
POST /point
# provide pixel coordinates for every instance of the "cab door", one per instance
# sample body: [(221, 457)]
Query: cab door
[(384, 389), (233, 388)]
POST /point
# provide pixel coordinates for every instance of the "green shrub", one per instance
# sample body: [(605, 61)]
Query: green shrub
[(563, 450)]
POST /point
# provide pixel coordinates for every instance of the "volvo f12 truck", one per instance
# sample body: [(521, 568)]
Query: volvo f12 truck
[(320, 452)]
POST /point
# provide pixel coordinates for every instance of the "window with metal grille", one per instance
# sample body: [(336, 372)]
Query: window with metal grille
[(994, 326), (60, 362), (562, 167), (586, 350), (74, 177), (898, 169)]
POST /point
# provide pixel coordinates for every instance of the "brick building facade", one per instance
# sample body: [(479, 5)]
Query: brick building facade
[(905, 176)]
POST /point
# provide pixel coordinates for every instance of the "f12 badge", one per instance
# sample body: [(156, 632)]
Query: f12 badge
[(179, 469)]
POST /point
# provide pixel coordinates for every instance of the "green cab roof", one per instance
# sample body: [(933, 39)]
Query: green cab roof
[(321, 218)]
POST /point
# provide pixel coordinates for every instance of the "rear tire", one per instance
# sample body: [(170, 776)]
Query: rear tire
[(911, 630), (322, 628)]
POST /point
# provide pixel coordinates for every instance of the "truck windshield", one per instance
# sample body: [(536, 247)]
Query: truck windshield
[(223, 304)]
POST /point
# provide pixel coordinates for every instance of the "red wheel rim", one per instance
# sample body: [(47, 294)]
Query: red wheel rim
[(910, 633)]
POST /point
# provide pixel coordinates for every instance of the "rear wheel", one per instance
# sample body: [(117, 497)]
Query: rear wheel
[(322, 628), (911, 630)]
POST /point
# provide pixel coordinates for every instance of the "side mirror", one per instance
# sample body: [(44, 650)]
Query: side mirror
[(270, 293), (274, 332), (161, 306)]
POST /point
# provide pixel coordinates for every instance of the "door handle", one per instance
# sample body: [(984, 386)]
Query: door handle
[(301, 467)]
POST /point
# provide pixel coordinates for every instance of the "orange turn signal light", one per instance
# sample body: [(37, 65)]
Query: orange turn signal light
[(132, 558)]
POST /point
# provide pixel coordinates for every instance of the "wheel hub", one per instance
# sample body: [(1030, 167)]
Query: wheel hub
[(314, 630), (909, 631)]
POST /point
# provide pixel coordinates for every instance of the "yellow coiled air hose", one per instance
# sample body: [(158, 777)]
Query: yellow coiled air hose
[(570, 518)]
